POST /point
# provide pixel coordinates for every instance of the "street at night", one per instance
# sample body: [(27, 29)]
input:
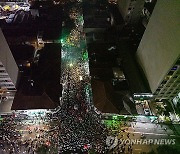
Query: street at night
[(75, 86)]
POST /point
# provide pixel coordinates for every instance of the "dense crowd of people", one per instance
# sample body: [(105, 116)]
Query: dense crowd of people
[(81, 127), (76, 126), (70, 130), (26, 135)]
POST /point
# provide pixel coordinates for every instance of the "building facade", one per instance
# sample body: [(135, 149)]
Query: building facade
[(8, 67), (159, 52), (131, 10)]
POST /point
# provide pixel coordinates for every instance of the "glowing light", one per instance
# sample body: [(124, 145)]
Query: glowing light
[(85, 56), (62, 40), (71, 64), (80, 78)]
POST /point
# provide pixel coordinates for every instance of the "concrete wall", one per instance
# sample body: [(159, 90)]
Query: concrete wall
[(7, 59), (160, 45)]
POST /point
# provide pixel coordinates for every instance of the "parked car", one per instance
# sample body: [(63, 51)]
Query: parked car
[(10, 18), (146, 111)]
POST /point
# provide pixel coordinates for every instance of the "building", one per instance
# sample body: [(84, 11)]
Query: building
[(8, 75), (8, 66), (131, 10), (110, 88), (158, 53)]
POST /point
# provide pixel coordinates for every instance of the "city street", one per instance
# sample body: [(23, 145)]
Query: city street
[(76, 126)]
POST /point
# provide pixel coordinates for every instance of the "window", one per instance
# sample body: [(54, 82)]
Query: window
[(2, 71)]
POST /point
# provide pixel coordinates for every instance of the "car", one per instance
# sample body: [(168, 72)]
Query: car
[(25, 7), (10, 18), (146, 111)]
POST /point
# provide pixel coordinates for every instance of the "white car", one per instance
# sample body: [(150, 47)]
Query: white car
[(146, 111), (10, 18)]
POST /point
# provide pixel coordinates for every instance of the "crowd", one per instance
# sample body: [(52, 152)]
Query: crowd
[(76, 126), (23, 135)]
